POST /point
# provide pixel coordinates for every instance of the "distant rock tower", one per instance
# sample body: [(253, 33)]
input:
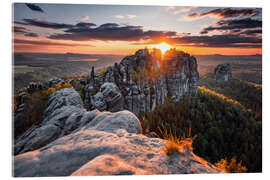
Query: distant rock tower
[(223, 72)]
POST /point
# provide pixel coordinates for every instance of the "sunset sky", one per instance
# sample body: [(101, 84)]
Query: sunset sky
[(122, 29)]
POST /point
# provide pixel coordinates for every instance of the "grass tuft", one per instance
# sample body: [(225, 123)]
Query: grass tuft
[(175, 144)]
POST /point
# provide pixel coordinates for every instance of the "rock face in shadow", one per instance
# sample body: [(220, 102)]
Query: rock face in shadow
[(144, 80), (62, 116), (109, 98), (223, 72), (72, 141)]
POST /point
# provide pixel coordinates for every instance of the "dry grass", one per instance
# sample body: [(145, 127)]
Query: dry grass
[(177, 144)]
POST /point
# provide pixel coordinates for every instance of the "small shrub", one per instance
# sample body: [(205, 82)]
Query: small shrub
[(175, 144), (48, 92), (101, 70), (58, 86), (66, 85), (231, 166), (15, 102)]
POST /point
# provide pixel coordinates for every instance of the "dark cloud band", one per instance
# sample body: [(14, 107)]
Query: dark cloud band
[(34, 7), (227, 13), (233, 24)]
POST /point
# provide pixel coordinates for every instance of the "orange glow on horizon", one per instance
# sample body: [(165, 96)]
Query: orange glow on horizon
[(118, 47)]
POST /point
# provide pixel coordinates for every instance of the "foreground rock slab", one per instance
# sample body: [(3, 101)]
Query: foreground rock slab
[(80, 143), (92, 152)]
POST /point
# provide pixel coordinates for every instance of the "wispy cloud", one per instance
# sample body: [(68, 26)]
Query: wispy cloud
[(84, 18), (44, 24), (233, 25), (131, 16), (34, 7), (47, 43), (31, 34), (24, 31), (225, 13), (18, 29), (183, 10), (119, 16), (180, 9)]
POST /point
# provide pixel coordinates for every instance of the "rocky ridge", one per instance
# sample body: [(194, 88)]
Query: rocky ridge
[(73, 141)]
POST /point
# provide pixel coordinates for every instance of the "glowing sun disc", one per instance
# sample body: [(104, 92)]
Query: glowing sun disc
[(163, 47)]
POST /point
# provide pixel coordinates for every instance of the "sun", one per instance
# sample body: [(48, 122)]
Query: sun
[(163, 47)]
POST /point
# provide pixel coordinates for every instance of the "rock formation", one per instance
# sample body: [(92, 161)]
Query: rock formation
[(223, 72), (144, 80), (72, 141), (61, 116)]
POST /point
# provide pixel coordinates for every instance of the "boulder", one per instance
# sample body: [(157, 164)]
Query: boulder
[(110, 144), (223, 72), (108, 98), (98, 102), (112, 96)]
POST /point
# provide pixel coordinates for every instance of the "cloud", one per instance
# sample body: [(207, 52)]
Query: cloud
[(111, 32), (181, 10), (131, 16), (34, 7), (252, 32), (119, 16), (226, 13), (44, 24), (170, 8), (84, 24), (21, 23), (244, 33), (25, 31), (233, 24), (31, 34), (84, 18), (136, 35), (53, 25), (47, 43), (224, 40), (229, 12), (108, 26), (18, 29), (193, 15), (214, 41)]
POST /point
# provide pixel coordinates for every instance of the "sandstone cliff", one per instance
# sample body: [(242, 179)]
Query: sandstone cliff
[(142, 81)]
